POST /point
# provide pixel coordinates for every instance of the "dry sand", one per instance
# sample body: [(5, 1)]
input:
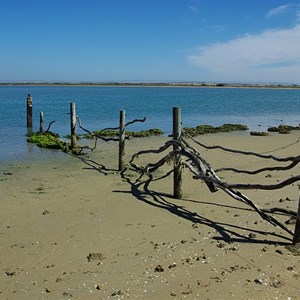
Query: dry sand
[(70, 230)]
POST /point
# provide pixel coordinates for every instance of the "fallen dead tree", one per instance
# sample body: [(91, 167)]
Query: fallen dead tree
[(202, 170)]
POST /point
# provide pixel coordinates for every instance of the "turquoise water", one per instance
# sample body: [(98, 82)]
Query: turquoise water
[(99, 107)]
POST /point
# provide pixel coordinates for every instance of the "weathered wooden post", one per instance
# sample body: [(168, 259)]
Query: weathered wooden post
[(296, 239), (73, 124), (122, 141), (41, 122), (177, 179), (29, 111)]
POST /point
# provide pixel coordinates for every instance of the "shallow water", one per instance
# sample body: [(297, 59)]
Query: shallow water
[(99, 107)]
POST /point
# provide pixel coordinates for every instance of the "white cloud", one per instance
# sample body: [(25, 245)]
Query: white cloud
[(273, 55), (278, 10)]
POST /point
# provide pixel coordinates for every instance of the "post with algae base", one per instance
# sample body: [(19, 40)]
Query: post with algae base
[(122, 141), (73, 124), (177, 179), (29, 111)]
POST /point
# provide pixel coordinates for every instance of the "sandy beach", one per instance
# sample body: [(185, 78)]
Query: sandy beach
[(73, 228)]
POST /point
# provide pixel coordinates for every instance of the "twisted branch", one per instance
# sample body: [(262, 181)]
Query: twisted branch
[(204, 171)]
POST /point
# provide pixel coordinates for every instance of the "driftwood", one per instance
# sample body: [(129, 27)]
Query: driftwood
[(98, 135), (50, 124), (201, 169)]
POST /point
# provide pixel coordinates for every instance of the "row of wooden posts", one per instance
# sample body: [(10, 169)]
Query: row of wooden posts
[(177, 132), (177, 180)]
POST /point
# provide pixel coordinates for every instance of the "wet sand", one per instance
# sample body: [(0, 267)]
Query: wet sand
[(75, 229)]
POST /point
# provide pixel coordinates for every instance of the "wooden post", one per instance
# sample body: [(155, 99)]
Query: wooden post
[(122, 141), (296, 239), (29, 111), (177, 179), (41, 122), (73, 124)]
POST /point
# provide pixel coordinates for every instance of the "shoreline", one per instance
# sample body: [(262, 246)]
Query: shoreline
[(36, 153), (162, 84)]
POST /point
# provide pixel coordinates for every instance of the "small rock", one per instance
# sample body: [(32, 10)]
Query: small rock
[(291, 221), (159, 268), (116, 293), (172, 265), (10, 274), (276, 284), (279, 251), (258, 281), (252, 235), (95, 256), (221, 245)]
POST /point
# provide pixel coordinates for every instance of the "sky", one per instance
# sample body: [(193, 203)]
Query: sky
[(239, 41)]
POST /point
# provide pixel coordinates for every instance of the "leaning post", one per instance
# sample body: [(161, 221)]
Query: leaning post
[(73, 124), (122, 141), (177, 179), (41, 122), (29, 111), (296, 239)]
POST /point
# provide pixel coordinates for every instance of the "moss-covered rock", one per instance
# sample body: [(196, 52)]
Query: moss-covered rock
[(204, 129), (283, 129), (143, 133), (50, 140), (259, 133)]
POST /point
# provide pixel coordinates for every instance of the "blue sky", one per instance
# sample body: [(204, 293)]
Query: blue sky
[(256, 41)]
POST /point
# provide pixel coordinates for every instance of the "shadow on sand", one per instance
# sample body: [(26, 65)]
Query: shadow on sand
[(142, 192)]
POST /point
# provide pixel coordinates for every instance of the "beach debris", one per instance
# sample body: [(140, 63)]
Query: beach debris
[(172, 265), (10, 273), (252, 235), (66, 294), (116, 293), (258, 280), (95, 256), (276, 283), (286, 199), (258, 133), (291, 221), (159, 268)]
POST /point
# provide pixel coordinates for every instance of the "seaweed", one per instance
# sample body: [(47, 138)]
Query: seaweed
[(49, 140), (204, 129), (113, 133), (259, 133), (283, 129)]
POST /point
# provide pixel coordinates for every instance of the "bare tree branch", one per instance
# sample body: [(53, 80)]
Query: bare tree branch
[(204, 171), (291, 158), (50, 124)]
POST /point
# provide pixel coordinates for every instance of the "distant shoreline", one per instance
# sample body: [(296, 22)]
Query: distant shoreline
[(158, 84)]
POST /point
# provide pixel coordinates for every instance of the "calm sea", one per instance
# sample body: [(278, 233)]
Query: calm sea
[(99, 107)]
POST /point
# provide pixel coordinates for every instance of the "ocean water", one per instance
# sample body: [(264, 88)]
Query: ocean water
[(99, 107)]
